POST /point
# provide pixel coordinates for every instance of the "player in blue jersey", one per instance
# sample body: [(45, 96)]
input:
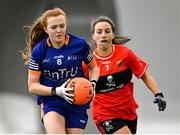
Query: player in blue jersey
[(54, 56)]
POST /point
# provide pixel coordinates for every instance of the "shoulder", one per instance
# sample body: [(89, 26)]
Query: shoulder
[(78, 42), (41, 44), (77, 38), (121, 47), (123, 50), (40, 48)]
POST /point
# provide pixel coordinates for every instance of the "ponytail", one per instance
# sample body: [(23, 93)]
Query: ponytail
[(121, 40), (36, 34)]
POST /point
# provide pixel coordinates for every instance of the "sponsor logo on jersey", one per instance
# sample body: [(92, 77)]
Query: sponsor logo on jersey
[(59, 57), (119, 63), (72, 57), (62, 73), (46, 60), (110, 81)]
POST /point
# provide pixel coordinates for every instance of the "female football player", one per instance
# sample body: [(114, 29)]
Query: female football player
[(53, 57), (114, 108)]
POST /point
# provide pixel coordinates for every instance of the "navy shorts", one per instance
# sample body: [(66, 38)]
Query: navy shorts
[(112, 125), (75, 118)]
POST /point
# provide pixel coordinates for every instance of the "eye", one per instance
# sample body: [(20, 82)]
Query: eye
[(108, 30), (53, 27), (62, 25), (98, 31)]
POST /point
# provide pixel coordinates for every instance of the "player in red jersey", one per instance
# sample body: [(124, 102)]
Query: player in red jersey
[(114, 107), (54, 56)]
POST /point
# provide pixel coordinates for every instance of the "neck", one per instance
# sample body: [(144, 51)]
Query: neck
[(102, 51), (57, 45)]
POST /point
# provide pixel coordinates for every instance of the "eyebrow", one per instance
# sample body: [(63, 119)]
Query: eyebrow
[(105, 29)]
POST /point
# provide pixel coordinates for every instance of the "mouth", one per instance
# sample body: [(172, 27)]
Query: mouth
[(103, 41), (58, 35)]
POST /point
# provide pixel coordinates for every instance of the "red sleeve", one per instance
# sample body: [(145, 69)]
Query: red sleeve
[(137, 65), (86, 70)]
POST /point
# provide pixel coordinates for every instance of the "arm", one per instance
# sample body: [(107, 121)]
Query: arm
[(38, 89), (93, 74), (93, 70), (35, 87), (152, 85)]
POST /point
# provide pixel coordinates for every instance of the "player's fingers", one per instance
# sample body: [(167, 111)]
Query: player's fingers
[(69, 95), (70, 100)]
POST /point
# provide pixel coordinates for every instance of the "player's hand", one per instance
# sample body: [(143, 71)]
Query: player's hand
[(159, 99), (94, 82), (66, 93)]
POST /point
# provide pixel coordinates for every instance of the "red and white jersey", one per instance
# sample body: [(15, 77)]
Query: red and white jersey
[(114, 91)]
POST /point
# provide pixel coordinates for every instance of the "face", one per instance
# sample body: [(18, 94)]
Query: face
[(56, 29), (103, 35)]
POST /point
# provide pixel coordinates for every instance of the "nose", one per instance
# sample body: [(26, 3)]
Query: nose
[(103, 34), (58, 29)]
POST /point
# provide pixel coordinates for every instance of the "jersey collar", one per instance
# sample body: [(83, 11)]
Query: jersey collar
[(67, 38), (106, 57)]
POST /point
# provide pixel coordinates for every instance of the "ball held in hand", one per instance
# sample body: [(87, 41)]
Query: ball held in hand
[(83, 90)]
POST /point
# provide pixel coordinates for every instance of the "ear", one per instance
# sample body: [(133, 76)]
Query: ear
[(93, 37), (113, 35), (45, 29)]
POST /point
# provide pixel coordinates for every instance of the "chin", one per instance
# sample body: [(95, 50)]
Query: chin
[(104, 44), (59, 40)]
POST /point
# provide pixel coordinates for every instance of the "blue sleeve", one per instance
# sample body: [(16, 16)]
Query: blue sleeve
[(87, 53), (35, 62)]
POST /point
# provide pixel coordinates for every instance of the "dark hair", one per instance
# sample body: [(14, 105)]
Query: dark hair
[(117, 39), (102, 19), (37, 32)]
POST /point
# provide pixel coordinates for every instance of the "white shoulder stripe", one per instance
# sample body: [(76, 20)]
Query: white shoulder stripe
[(34, 68), (32, 60), (33, 65)]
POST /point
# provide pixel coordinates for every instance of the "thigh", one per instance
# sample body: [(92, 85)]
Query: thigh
[(74, 130), (54, 123), (53, 118)]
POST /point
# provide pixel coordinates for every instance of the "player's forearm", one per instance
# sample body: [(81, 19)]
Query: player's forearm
[(39, 89), (150, 83), (94, 73)]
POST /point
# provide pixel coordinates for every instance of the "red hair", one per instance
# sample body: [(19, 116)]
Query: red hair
[(37, 32)]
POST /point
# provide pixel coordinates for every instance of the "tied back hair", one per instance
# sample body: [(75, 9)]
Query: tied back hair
[(121, 40), (117, 39), (36, 34)]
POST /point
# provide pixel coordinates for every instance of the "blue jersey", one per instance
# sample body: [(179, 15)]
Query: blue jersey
[(58, 65)]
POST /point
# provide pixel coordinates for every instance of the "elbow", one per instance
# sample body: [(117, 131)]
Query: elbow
[(31, 89), (145, 76)]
